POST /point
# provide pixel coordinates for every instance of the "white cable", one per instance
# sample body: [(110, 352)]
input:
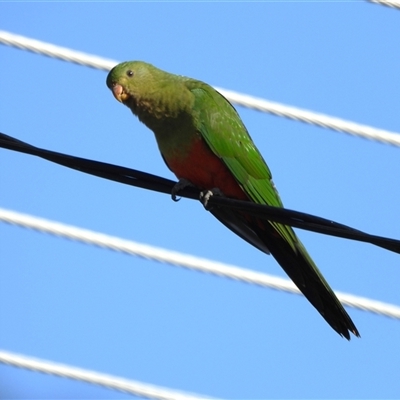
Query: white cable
[(389, 3), (310, 117), (96, 378), (183, 260), (50, 50), (255, 103)]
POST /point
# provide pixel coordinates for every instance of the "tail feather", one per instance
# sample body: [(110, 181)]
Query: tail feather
[(295, 261), (304, 273)]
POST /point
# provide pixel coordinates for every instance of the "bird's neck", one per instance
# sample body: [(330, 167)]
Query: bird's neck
[(168, 113)]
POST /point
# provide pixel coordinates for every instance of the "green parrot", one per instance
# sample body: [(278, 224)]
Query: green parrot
[(204, 143)]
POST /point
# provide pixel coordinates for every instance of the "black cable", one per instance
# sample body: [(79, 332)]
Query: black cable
[(152, 182)]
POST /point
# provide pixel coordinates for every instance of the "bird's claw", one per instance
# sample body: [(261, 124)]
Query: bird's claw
[(206, 195), (180, 185)]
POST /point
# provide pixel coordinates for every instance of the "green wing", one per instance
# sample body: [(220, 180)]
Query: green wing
[(221, 127)]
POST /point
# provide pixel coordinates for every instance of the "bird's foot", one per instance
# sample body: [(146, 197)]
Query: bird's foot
[(206, 195), (182, 184)]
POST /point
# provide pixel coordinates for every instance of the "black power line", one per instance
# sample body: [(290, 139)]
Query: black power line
[(144, 180)]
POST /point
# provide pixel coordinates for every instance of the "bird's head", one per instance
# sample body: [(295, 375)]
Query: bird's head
[(149, 92), (133, 80)]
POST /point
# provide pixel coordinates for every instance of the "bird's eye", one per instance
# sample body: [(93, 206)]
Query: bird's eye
[(129, 73)]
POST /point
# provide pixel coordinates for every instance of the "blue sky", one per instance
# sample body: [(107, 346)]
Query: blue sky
[(79, 305)]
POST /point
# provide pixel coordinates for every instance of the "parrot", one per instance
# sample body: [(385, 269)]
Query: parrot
[(204, 142)]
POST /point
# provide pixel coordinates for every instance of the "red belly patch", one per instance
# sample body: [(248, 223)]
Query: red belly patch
[(205, 170)]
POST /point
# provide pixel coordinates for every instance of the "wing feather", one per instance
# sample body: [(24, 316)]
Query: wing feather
[(228, 138)]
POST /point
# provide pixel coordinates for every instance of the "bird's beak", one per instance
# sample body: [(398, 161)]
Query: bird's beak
[(119, 93)]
